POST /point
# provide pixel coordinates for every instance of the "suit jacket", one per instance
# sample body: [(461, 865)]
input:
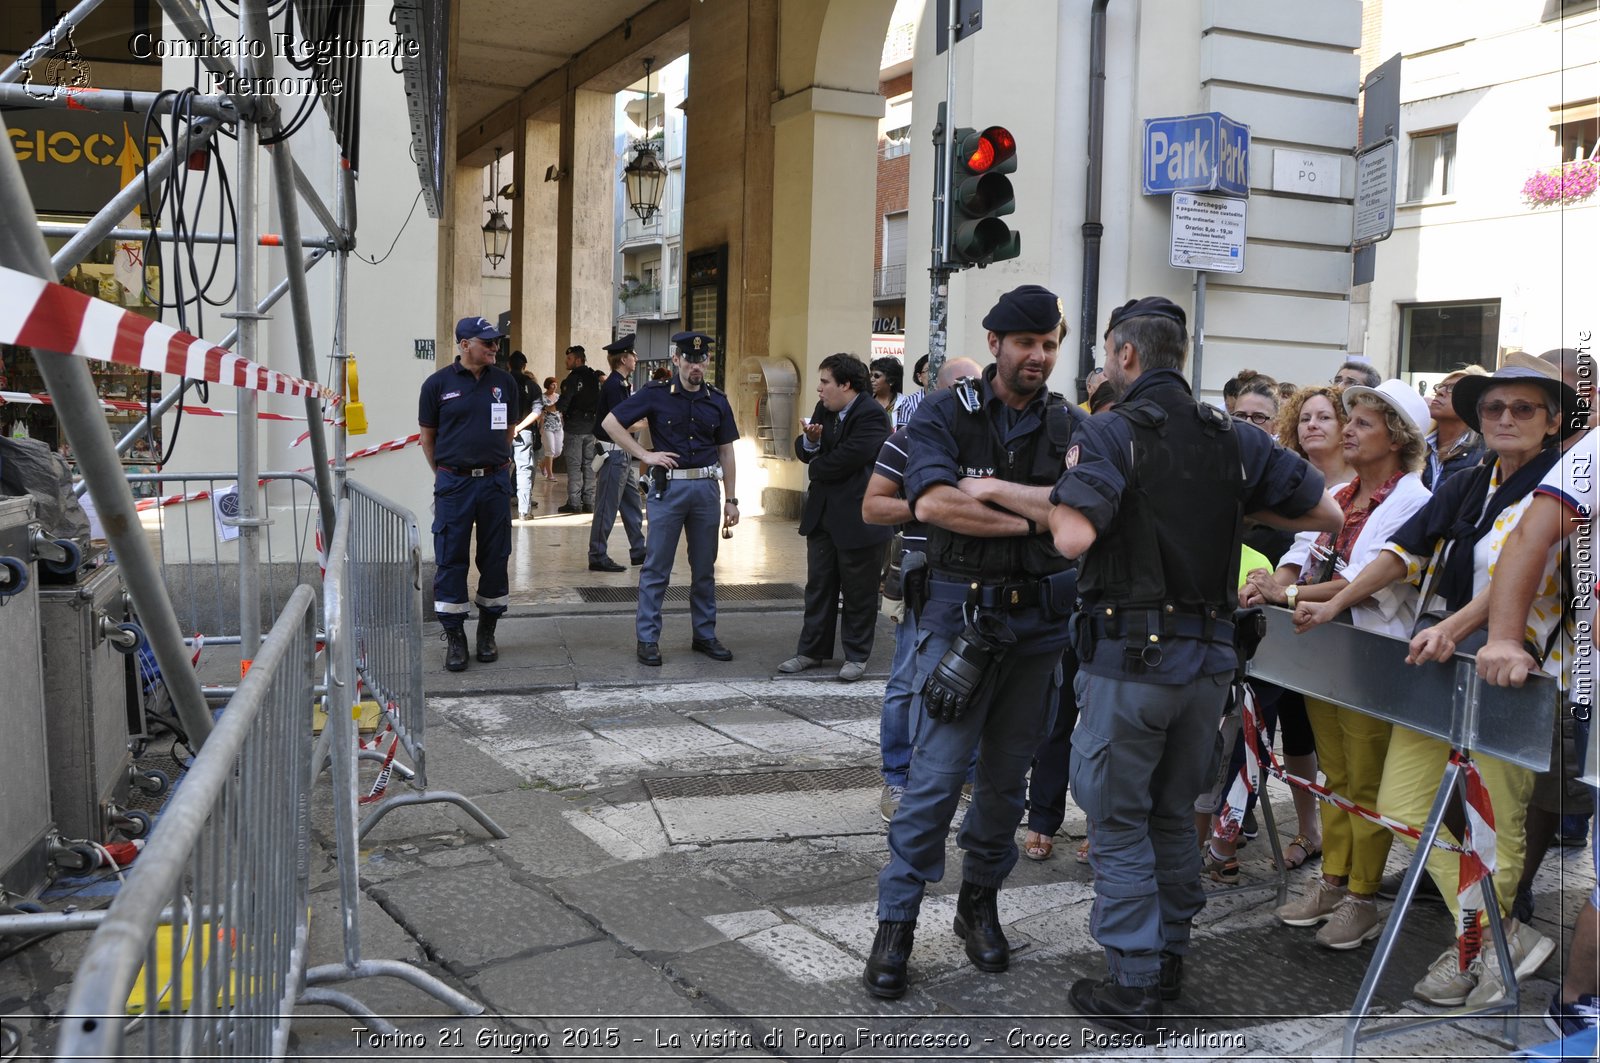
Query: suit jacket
[(840, 469)]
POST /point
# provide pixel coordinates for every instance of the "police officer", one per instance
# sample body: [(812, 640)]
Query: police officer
[(466, 413), (691, 424), (983, 457), (1151, 502), (614, 490)]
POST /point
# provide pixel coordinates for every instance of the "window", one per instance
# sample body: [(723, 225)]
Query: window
[(1440, 337), (897, 142), (1577, 129), (894, 239), (1433, 165)]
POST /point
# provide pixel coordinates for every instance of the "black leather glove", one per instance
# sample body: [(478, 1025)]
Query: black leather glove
[(954, 685)]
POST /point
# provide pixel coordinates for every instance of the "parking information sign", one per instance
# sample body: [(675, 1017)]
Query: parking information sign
[(1207, 233), (1374, 215)]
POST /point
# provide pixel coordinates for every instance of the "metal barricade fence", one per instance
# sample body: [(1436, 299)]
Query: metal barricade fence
[(385, 590), (217, 975)]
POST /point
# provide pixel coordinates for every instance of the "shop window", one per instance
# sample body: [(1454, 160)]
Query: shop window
[(1437, 338)]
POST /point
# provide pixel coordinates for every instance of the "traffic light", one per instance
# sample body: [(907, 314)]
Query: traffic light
[(980, 195)]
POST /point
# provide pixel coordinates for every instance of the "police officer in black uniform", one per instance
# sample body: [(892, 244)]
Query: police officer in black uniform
[(1151, 503), (983, 457), (615, 491), (466, 413), (692, 489)]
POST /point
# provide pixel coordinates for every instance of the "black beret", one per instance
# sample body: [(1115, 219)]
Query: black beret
[(695, 346), (1029, 308), (1149, 306), (620, 344)]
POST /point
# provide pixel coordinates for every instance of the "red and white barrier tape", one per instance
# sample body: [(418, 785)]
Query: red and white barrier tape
[(25, 398), (39, 313), (355, 455)]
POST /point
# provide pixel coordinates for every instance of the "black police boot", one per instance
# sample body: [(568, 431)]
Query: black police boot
[(455, 649), (978, 924), (488, 652), (1171, 984), (1124, 1008), (885, 975)]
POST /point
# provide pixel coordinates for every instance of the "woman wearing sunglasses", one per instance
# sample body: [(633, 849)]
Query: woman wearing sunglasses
[(1383, 444), (1452, 445), (1452, 543)]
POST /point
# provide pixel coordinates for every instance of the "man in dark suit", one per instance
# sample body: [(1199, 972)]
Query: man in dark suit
[(840, 443)]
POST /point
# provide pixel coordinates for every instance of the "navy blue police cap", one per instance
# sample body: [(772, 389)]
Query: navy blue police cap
[(695, 346), (477, 328), (1149, 306), (620, 344), (1030, 308)]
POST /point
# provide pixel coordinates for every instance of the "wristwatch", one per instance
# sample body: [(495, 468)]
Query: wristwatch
[(730, 501), (1291, 593)]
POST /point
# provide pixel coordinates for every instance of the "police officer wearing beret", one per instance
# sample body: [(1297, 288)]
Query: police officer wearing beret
[(614, 490), (1151, 503), (466, 414), (983, 457), (691, 424)]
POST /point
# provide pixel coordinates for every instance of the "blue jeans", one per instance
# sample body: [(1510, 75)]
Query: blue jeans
[(894, 724), (616, 493), (1005, 732), (692, 508), (1140, 754), (522, 452)]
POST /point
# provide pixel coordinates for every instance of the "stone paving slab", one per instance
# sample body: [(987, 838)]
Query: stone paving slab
[(653, 906), (533, 656)]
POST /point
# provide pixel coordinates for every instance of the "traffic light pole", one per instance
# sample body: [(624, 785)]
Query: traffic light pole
[(944, 143)]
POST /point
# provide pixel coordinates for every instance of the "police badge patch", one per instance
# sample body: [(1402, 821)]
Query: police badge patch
[(1072, 456)]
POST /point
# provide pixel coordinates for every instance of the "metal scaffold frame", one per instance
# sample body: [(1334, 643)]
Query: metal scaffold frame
[(258, 124)]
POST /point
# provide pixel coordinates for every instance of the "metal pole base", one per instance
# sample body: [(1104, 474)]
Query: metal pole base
[(424, 797), (338, 972)]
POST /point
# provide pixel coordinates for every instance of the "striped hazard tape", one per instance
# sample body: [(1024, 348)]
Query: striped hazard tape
[(38, 313), (39, 398), (355, 455)]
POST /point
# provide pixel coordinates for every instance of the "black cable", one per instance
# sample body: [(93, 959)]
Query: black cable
[(396, 240)]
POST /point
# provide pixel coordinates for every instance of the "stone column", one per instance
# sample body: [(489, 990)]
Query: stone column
[(468, 213), (585, 240), (533, 246)]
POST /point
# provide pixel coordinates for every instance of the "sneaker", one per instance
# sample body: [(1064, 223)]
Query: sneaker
[(1315, 906), (798, 663), (852, 670), (1568, 1020), (889, 800), (1446, 984), (1352, 924), (1529, 950)]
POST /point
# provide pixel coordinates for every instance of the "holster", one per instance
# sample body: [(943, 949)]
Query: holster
[(1081, 634), (1249, 628), (891, 585), (914, 580), (660, 478)]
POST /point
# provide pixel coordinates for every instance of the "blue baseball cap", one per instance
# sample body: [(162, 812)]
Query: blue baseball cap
[(477, 328)]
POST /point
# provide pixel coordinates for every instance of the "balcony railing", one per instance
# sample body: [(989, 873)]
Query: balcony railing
[(634, 231), (636, 303), (889, 282)]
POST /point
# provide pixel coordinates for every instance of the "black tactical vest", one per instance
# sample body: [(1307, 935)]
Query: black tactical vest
[(1037, 460), (1175, 540)]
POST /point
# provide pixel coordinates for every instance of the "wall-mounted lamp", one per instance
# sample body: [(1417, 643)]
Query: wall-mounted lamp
[(554, 173)]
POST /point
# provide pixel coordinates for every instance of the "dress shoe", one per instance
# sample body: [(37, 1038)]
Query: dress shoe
[(636, 560), (568, 507), (605, 564), (885, 975), (455, 649), (1124, 1008), (978, 924), (488, 651), (649, 653), (1171, 984), (587, 508), (712, 648)]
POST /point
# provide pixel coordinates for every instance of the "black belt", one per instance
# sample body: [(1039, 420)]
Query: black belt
[(990, 595), (1109, 622), (475, 470)]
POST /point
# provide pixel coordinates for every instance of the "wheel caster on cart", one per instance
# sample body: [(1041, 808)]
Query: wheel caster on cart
[(130, 821), (152, 781)]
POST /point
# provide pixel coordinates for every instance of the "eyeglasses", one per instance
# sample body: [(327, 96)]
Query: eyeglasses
[(1346, 382), (1443, 389), (1253, 418), (1522, 411)]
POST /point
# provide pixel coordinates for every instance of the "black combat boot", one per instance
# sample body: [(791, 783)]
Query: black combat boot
[(978, 924), (1171, 983), (1124, 1008), (488, 652), (455, 649), (885, 975)]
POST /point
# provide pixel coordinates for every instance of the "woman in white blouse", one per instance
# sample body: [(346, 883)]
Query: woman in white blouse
[(1384, 445)]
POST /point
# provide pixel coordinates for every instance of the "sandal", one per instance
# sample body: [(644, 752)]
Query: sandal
[(1220, 869), (1037, 847), (1082, 855), (1308, 853)]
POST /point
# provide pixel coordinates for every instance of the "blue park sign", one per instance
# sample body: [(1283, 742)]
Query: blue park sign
[(1196, 153)]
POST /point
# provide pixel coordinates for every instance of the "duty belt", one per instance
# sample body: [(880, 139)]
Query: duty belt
[(475, 470), (713, 472), (1152, 625), (990, 595)]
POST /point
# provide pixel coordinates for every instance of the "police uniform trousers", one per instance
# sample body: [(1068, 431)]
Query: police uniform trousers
[(1047, 782), (616, 492), (459, 504), (1005, 732), (831, 571), (692, 508), (1140, 754), (578, 451)]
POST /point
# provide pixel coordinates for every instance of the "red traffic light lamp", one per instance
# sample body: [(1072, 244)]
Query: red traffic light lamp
[(980, 195)]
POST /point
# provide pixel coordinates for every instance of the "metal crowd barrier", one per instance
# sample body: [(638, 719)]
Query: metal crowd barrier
[(205, 944), (385, 590), (1366, 671)]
